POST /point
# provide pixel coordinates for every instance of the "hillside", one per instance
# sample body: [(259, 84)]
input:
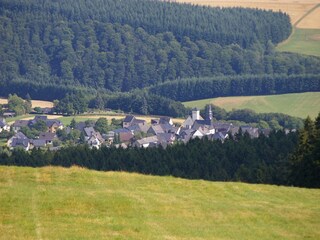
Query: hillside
[(296, 9), (296, 104), (53, 47), (59, 203)]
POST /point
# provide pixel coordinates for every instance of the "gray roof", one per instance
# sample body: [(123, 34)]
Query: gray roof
[(43, 118), (38, 142), (20, 135), (18, 142), (21, 123), (152, 139), (89, 131), (47, 136), (80, 126), (128, 118)]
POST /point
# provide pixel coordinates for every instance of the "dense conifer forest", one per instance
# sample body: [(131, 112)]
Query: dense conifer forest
[(50, 47)]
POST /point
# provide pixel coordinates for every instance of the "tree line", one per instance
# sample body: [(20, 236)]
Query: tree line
[(244, 85)]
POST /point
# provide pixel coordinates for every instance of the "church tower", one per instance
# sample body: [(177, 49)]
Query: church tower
[(209, 116)]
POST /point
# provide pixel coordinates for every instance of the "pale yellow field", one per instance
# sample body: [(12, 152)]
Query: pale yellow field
[(295, 8), (311, 21), (35, 103)]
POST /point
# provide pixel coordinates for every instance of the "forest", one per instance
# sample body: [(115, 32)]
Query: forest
[(240, 85), (48, 48), (280, 158)]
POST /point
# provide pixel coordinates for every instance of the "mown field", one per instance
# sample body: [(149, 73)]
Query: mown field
[(296, 104), (296, 9), (304, 41), (305, 16), (58, 203)]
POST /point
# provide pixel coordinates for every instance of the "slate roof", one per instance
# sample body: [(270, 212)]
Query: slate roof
[(49, 123), (128, 118), (38, 143), (121, 130), (152, 139), (21, 123), (47, 136), (156, 129), (16, 142), (20, 135), (43, 118), (2, 124), (80, 126), (89, 131)]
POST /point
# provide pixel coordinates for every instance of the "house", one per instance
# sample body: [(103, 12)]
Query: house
[(18, 135), (80, 126), (253, 132), (154, 130), (221, 136), (166, 120), (8, 114), (130, 120), (52, 124), (198, 134), (48, 137), (93, 137), (21, 143), (125, 136), (147, 142), (167, 128), (167, 138), (139, 128), (94, 142), (185, 135), (37, 143), (3, 125), (18, 124)]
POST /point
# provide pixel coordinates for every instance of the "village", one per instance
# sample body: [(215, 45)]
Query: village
[(133, 132)]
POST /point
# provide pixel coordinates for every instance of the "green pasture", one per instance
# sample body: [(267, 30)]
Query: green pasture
[(296, 104), (304, 41), (60, 203)]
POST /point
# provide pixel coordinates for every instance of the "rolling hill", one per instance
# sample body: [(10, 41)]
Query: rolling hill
[(60, 203), (296, 104)]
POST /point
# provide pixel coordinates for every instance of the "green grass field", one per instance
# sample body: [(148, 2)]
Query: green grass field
[(296, 104), (304, 41), (58, 203)]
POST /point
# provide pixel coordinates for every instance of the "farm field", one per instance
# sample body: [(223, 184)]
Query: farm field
[(296, 104), (305, 17), (74, 203), (295, 9), (35, 103), (304, 41)]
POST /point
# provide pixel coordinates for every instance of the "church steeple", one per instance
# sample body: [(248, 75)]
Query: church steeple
[(209, 113)]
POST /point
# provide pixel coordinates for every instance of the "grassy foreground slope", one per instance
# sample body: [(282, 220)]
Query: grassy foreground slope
[(295, 104), (57, 203)]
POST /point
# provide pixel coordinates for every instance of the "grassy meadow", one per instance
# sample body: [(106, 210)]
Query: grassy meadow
[(304, 41), (295, 104), (60, 203)]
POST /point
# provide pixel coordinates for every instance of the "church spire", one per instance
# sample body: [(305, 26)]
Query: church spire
[(209, 113)]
